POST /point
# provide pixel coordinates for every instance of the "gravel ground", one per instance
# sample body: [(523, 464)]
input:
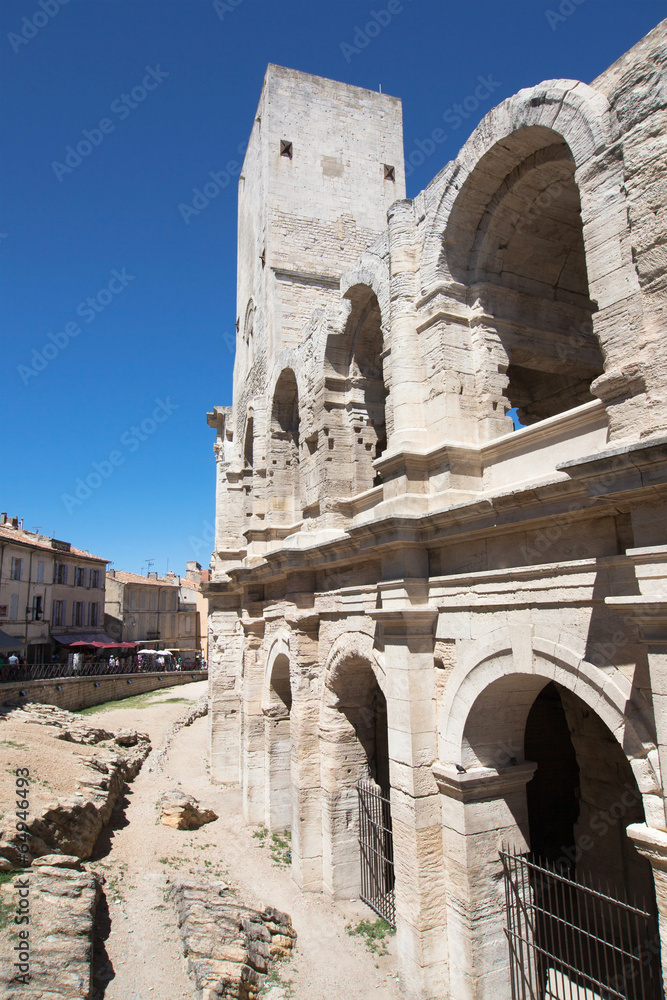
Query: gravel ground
[(143, 958)]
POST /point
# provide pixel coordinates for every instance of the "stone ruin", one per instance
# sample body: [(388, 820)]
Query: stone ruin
[(413, 603)]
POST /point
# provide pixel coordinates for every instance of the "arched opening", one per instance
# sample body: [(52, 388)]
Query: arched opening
[(515, 239), (248, 467), (547, 785), (359, 415), (583, 795), (353, 749), (278, 747), (248, 445), (580, 801), (283, 459)]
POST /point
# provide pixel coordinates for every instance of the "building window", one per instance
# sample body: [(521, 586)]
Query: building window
[(37, 611), (58, 612), (94, 578), (94, 614), (17, 568), (154, 596), (78, 613), (61, 573), (40, 572), (14, 612), (80, 576)]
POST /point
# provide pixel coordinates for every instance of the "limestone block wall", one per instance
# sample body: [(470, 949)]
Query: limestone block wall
[(415, 577), (82, 692)]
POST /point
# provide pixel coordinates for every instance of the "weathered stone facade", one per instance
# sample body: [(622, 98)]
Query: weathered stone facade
[(404, 589)]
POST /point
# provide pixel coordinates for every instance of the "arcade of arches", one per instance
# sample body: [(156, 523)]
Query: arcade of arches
[(438, 599)]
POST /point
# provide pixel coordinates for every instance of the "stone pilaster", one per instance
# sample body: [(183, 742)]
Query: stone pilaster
[(649, 612), (653, 845), (224, 686), (407, 371), (252, 733), (306, 781), (482, 811), (407, 635)]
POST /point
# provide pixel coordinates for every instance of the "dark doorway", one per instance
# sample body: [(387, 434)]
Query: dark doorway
[(584, 895), (553, 794)]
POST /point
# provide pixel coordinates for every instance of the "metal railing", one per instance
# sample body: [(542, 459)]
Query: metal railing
[(376, 847), (570, 941), (11, 673)]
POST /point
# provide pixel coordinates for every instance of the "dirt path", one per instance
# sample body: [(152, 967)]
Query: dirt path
[(144, 957)]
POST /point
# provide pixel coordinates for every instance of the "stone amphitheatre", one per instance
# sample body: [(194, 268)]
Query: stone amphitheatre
[(438, 644), (438, 594)]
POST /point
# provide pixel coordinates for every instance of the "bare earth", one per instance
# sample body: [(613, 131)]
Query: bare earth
[(143, 946)]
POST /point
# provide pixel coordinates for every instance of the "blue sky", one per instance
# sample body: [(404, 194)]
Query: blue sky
[(117, 312)]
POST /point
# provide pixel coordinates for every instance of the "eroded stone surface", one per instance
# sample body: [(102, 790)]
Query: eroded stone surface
[(94, 777), (227, 947), (183, 812), (62, 910)]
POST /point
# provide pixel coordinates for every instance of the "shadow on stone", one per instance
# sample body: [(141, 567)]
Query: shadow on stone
[(102, 970), (117, 821)]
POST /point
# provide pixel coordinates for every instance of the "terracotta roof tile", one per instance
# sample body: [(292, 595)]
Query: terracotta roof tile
[(23, 537), (124, 577)]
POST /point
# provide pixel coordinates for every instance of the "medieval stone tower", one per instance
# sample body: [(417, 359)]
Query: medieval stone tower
[(438, 645), (323, 165)]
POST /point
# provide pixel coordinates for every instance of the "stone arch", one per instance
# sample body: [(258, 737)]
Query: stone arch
[(280, 646), (352, 744), (489, 699), (519, 674), (373, 272), (283, 450), (577, 113), (248, 463), (542, 260), (276, 709), (357, 397)]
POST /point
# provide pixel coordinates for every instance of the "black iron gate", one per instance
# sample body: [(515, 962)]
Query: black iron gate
[(569, 941), (376, 847)]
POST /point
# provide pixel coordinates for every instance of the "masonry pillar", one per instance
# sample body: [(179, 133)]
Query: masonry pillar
[(224, 686), (653, 845), (415, 807), (649, 612), (407, 370), (252, 732), (482, 810), (305, 765)]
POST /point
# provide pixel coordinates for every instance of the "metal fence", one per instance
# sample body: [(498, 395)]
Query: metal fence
[(376, 846), (94, 668), (569, 941)]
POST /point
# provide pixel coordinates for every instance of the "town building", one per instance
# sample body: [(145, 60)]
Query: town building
[(157, 612), (51, 593), (438, 645)]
